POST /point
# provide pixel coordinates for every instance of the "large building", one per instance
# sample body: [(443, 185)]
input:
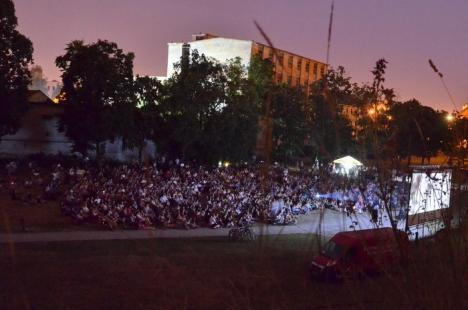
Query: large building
[(288, 67)]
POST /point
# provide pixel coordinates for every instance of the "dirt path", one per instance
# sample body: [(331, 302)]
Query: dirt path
[(331, 222)]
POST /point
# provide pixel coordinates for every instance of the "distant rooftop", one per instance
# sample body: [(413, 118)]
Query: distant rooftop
[(203, 36)]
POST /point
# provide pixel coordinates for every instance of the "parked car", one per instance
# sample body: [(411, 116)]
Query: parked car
[(362, 252)]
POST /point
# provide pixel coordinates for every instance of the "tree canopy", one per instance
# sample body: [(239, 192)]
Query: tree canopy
[(98, 93), (15, 57), (419, 130), (209, 111), (189, 111)]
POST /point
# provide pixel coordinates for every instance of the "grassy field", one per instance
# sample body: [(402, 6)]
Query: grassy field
[(20, 216), (211, 274)]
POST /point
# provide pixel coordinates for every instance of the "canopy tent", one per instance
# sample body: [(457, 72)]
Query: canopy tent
[(346, 164), (347, 161)]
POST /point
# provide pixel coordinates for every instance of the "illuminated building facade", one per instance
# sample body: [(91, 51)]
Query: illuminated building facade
[(464, 112), (352, 114), (289, 68)]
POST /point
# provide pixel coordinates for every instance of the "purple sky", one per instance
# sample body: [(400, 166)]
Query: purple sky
[(406, 33)]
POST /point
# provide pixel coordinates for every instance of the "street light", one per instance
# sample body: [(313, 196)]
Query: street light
[(449, 118)]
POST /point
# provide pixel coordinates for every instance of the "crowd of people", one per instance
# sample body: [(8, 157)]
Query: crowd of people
[(178, 195), (184, 196)]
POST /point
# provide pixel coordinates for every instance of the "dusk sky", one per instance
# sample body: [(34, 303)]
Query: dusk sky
[(406, 33)]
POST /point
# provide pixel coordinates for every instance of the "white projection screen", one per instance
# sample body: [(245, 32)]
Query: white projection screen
[(430, 191)]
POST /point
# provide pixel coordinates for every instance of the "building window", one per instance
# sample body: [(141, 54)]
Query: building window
[(298, 81), (290, 61), (279, 77), (322, 71), (280, 58), (307, 67), (260, 50), (289, 79), (299, 64), (270, 54), (315, 68)]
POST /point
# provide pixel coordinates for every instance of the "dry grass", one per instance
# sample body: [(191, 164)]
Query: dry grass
[(214, 273), (19, 215)]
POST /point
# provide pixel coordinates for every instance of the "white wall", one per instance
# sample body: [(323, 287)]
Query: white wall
[(38, 134), (221, 49)]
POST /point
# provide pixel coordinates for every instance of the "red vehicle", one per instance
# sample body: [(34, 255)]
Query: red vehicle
[(361, 252)]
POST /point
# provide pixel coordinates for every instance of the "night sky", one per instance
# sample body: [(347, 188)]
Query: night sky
[(406, 33)]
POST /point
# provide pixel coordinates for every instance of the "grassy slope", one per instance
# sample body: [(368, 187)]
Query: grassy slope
[(204, 274), (36, 217)]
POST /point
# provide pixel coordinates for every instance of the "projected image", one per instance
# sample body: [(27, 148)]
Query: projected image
[(430, 191)]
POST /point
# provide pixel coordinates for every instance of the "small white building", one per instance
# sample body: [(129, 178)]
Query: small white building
[(39, 134)]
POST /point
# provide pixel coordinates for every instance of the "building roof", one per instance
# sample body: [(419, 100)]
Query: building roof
[(291, 53), (38, 96)]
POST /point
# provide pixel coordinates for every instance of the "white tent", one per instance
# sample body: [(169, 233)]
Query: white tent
[(346, 164)]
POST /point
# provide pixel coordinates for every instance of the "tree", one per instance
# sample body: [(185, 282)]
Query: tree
[(260, 75), (15, 57), (336, 86), (189, 111), (331, 132), (237, 121), (418, 130), (375, 102), (209, 111), (98, 94), (146, 113), (290, 123)]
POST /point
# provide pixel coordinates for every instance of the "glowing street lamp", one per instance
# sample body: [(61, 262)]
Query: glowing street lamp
[(450, 118)]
